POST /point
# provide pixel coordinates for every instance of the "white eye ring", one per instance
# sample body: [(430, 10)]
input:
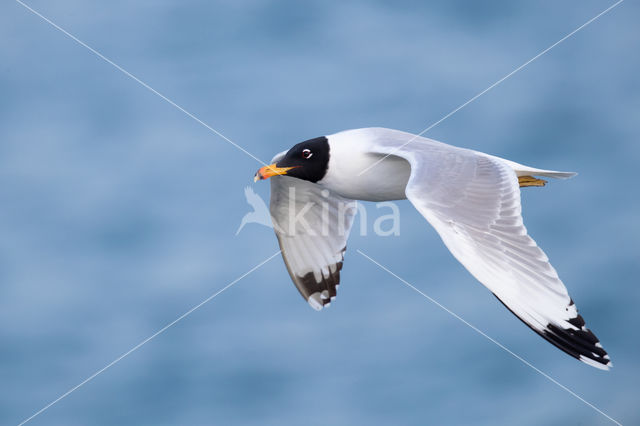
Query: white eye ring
[(306, 154)]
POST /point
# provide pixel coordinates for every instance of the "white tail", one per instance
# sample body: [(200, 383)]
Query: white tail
[(522, 170)]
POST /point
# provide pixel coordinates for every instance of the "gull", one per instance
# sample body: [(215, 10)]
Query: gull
[(472, 199)]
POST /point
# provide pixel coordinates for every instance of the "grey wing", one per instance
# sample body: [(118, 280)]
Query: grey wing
[(312, 226), (473, 202)]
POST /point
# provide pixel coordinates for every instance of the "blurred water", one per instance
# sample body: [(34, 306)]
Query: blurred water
[(118, 212)]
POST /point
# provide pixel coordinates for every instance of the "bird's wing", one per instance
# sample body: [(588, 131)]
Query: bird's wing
[(473, 202), (312, 226)]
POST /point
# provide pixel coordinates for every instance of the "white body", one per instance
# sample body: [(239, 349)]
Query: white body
[(356, 172), (351, 154)]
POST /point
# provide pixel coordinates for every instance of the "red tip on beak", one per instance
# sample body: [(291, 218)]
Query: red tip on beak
[(271, 170)]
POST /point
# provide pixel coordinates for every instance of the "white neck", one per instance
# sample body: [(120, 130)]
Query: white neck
[(350, 154)]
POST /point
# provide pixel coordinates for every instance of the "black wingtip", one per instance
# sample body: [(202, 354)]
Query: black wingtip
[(580, 343)]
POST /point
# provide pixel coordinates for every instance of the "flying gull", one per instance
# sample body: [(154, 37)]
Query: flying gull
[(472, 199)]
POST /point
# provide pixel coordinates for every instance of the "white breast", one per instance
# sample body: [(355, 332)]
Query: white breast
[(349, 155)]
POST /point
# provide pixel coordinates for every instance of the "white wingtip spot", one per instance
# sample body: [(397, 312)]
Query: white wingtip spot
[(315, 302), (595, 363)]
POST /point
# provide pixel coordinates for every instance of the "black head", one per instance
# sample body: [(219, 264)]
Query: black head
[(308, 160)]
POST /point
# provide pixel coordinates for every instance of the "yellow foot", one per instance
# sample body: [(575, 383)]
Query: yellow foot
[(530, 181)]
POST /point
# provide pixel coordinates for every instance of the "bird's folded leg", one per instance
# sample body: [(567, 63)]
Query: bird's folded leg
[(530, 181)]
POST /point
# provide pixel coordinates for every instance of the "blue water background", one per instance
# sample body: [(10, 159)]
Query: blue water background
[(118, 212)]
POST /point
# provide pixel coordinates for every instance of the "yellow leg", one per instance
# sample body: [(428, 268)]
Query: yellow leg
[(530, 181)]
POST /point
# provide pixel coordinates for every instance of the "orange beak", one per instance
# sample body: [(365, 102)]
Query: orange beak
[(271, 170)]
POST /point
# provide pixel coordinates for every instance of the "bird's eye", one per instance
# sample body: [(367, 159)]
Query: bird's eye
[(306, 154)]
